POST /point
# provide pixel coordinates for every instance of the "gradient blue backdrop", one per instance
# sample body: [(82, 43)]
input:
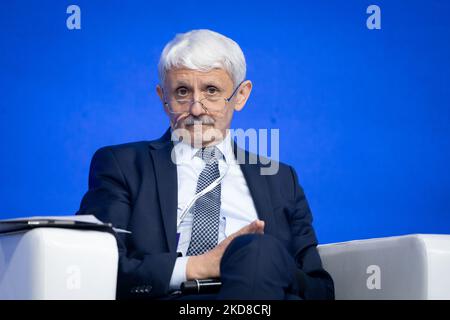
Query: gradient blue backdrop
[(363, 114)]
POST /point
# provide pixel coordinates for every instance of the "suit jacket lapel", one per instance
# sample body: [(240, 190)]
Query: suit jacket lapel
[(258, 186), (167, 184)]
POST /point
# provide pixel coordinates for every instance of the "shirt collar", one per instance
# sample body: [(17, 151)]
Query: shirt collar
[(184, 152)]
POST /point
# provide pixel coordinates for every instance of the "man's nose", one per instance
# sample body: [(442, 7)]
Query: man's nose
[(197, 108)]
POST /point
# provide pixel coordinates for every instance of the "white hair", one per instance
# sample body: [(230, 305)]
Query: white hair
[(203, 50)]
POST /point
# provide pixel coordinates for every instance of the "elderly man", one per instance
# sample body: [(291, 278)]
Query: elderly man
[(195, 211)]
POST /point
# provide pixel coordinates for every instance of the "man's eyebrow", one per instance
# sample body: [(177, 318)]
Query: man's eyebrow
[(214, 83), (180, 83)]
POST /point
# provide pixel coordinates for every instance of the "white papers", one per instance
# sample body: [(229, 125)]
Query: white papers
[(41, 220)]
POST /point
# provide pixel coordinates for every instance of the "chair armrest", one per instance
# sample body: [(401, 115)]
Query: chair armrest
[(405, 267), (56, 263)]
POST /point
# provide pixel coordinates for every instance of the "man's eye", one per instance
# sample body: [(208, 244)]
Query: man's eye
[(212, 90), (182, 92)]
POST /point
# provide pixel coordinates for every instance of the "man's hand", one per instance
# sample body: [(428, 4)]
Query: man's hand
[(207, 265)]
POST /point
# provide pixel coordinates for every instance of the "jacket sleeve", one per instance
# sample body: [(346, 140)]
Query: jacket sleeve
[(108, 198), (314, 282)]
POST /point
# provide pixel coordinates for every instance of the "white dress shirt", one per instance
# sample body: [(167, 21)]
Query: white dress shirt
[(237, 208)]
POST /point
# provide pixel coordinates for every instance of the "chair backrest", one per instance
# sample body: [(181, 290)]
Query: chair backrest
[(405, 267)]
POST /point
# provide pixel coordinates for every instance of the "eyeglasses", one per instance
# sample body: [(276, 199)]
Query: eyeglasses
[(213, 101)]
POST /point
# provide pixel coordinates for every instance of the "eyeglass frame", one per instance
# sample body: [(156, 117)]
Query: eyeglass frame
[(200, 101)]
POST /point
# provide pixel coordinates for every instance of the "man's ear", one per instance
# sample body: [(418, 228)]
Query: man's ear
[(160, 93), (242, 95)]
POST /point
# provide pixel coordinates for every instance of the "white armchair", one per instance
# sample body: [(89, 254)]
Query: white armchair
[(53, 263), (56, 263), (405, 267)]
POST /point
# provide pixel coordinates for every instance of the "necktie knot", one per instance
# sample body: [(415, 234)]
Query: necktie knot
[(209, 154)]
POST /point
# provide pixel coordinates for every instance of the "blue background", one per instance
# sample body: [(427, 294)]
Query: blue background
[(363, 114)]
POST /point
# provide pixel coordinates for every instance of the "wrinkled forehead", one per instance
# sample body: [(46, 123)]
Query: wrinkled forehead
[(184, 76)]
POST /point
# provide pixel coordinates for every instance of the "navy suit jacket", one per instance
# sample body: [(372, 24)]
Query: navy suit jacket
[(134, 186)]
